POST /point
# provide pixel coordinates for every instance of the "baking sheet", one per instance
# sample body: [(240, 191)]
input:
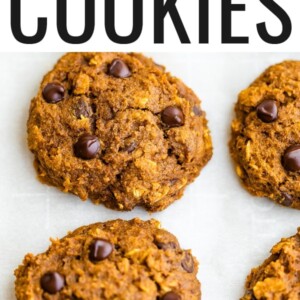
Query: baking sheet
[(229, 230)]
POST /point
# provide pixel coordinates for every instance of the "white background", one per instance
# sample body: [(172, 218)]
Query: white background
[(229, 230), (243, 24)]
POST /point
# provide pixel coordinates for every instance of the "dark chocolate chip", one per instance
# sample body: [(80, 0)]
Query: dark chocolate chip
[(171, 296), (52, 282), (99, 250), (170, 151), (172, 116), (87, 146), (82, 109), (53, 93), (188, 263), (130, 148), (197, 111), (267, 111), (287, 199), (291, 158), (119, 69), (165, 246)]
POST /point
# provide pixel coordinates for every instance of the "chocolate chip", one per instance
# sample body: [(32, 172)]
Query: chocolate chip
[(171, 296), (53, 93), (130, 148), (87, 146), (82, 109), (172, 116), (197, 111), (287, 199), (119, 69), (99, 250), (267, 111), (188, 263), (52, 282), (165, 246), (291, 158)]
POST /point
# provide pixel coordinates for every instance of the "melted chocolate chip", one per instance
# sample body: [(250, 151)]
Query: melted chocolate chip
[(53, 93), (287, 199), (171, 296), (87, 146), (172, 116), (165, 246), (291, 158), (82, 109), (119, 69), (52, 282), (188, 263), (197, 111), (99, 250), (130, 148), (267, 111)]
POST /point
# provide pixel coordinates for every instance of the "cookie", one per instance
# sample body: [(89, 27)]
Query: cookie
[(118, 259), (116, 128), (278, 277), (266, 135)]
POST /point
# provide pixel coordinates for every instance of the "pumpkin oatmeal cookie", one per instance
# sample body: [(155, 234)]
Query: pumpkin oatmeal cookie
[(115, 260), (278, 277), (118, 129), (265, 142)]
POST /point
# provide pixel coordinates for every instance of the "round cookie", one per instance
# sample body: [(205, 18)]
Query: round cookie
[(113, 260), (278, 277), (266, 135), (116, 128)]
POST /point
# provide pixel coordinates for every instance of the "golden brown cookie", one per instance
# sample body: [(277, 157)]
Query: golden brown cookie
[(115, 260), (278, 277), (116, 128), (265, 140)]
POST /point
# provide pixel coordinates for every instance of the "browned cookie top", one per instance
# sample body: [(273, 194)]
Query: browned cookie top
[(278, 277), (265, 140), (116, 128), (116, 260)]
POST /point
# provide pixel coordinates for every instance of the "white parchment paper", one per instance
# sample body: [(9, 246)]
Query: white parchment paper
[(229, 230)]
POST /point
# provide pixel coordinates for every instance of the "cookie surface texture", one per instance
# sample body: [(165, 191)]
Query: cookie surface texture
[(265, 142), (278, 277), (117, 129), (118, 259)]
